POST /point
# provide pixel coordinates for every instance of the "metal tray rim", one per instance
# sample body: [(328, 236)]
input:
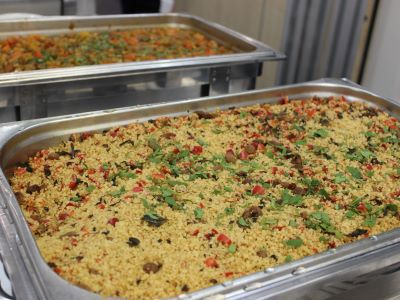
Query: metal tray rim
[(262, 52)]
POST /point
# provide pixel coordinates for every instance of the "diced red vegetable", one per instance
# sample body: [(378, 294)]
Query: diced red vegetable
[(243, 155), (20, 171), (138, 189), (72, 185), (332, 245), (211, 234), (228, 274), (274, 170), (258, 190), (201, 205), (211, 262), (63, 216), (101, 206), (196, 232), (224, 240), (278, 227), (113, 221), (158, 176), (197, 150), (260, 147), (362, 208)]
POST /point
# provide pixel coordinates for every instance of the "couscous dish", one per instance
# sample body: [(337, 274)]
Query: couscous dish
[(173, 205), (35, 52)]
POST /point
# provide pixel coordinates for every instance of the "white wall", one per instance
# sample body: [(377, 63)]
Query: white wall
[(382, 72)]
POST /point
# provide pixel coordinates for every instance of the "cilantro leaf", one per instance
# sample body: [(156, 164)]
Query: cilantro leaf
[(232, 248), (198, 213), (355, 172), (294, 243)]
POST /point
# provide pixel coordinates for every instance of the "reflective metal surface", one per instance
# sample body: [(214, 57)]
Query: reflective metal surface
[(369, 267), (31, 94)]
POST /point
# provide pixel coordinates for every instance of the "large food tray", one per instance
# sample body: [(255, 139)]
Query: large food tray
[(51, 92), (357, 269)]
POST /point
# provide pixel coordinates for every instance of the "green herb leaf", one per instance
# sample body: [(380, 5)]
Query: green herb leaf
[(243, 114), (75, 199), (370, 134), (294, 243), (118, 193), (176, 182), (350, 214), (228, 189), (293, 223), (289, 199), (324, 194), (229, 210), (232, 248), (198, 213), (355, 172), (242, 222), (339, 178), (369, 221), (171, 202), (320, 133), (90, 188), (288, 258), (145, 203)]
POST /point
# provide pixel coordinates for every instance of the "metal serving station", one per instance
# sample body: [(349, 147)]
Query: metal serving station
[(52, 92)]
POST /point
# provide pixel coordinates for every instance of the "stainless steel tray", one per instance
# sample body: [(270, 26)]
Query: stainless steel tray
[(43, 93), (246, 48), (369, 268)]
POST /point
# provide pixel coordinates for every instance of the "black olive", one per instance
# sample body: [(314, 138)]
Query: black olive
[(127, 142), (46, 170), (253, 212), (151, 267), (374, 161), (27, 166), (185, 288), (262, 253), (204, 115), (33, 188), (154, 220), (133, 242), (357, 232), (213, 281)]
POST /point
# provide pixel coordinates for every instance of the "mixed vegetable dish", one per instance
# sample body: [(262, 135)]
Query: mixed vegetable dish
[(215, 195), (83, 48)]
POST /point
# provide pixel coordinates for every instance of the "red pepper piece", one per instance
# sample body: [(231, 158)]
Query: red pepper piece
[(138, 189), (332, 245), (196, 232), (211, 262), (224, 240), (113, 221), (228, 274), (258, 190), (197, 150), (243, 155), (63, 216), (72, 185), (362, 208)]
